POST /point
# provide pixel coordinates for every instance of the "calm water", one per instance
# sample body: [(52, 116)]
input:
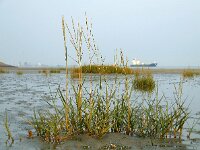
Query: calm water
[(21, 94)]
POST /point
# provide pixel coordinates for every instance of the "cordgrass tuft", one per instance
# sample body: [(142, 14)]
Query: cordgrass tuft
[(2, 70), (55, 71), (144, 82), (111, 113), (189, 73), (103, 69), (44, 71), (19, 72)]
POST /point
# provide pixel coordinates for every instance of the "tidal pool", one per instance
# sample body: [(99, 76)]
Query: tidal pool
[(21, 94)]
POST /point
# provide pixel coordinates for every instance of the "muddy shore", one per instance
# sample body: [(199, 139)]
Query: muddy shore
[(20, 95), (153, 70)]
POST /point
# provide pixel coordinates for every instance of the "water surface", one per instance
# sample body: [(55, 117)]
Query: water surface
[(21, 94)]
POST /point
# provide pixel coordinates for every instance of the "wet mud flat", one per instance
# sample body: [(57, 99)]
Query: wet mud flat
[(116, 141), (21, 95)]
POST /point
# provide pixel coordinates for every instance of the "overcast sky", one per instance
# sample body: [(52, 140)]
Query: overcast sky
[(166, 31)]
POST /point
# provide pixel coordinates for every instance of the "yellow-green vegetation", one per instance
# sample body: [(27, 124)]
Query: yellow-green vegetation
[(19, 72), (2, 70), (110, 112), (9, 134), (55, 71), (144, 81), (103, 69), (74, 73), (99, 107), (189, 73), (44, 71)]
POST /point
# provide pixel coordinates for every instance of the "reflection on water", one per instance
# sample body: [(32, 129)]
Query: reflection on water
[(20, 95)]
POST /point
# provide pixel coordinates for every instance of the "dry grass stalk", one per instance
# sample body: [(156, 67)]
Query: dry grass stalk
[(67, 82), (9, 134)]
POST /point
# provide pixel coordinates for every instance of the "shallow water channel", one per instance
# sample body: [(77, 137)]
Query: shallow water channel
[(21, 94)]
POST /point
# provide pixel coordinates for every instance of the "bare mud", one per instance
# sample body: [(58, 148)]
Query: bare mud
[(20, 95)]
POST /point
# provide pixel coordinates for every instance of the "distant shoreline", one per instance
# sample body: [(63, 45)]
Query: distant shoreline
[(153, 70), (3, 65)]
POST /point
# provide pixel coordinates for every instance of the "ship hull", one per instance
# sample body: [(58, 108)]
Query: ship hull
[(145, 65)]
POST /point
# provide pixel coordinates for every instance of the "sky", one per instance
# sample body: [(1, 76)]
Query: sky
[(165, 31)]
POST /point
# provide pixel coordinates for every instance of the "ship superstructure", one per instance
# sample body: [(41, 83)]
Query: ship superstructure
[(138, 63)]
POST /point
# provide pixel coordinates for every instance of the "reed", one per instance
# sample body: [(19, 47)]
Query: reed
[(144, 82)]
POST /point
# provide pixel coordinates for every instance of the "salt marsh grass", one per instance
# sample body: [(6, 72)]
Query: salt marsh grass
[(10, 139), (144, 81), (2, 70), (189, 73), (44, 71), (55, 71), (74, 73), (104, 106), (103, 69), (110, 112), (19, 72)]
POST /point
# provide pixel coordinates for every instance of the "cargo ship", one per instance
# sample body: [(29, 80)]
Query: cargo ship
[(137, 63)]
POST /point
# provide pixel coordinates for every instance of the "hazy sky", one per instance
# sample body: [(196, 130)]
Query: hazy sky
[(166, 31)]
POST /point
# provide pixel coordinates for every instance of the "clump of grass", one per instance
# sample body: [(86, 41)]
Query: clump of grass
[(55, 71), (144, 82), (102, 69), (97, 108), (44, 71), (74, 73), (2, 70), (19, 72), (189, 73), (152, 119), (111, 113), (106, 69), (137, 72)]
